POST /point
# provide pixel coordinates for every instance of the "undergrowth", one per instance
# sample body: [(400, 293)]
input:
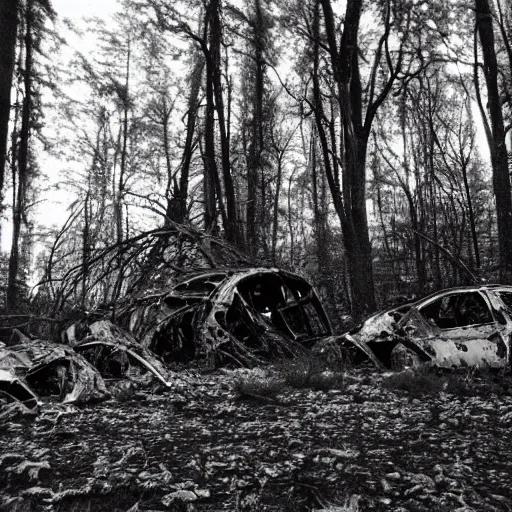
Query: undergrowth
[(310, 372), (299, 373), (351, 505), (463, 382), (315, 373), (258, 387)]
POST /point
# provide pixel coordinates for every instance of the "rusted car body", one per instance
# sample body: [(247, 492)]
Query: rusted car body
[(38, 369), (35, 370), (240, 316), (464, 326)]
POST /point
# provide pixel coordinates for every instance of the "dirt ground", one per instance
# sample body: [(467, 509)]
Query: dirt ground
[(362, 447)]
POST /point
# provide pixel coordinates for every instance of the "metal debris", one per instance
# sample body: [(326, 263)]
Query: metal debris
[(39, 369), (117, 355)]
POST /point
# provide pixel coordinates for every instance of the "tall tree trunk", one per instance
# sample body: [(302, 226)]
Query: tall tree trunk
[(22, 154), (86, 248), (275, 209), (209, 156), (8, 30), (256, 145), (177, 190), (471, 215), (171, 189), (188, 150), (350, 202), (233, 232), (355, 232), (413, 212), (498, 150), (320, 206), (124, 150), (290, 219)]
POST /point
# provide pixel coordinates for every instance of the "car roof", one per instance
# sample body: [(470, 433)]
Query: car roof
[(467, 288), (230, 271)]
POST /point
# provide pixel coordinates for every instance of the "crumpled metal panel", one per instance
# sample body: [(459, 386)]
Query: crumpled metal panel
[(204, 315), (377, 325), (16, 389), (76, 379), (107, 334), (15, 361), (481, 344), (43, 368), (340, 350), (464, 346), (479, 352)]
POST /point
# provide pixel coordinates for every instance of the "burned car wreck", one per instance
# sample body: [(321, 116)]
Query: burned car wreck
[(464, 326), (38, 370), (241, 316), (86, 370)]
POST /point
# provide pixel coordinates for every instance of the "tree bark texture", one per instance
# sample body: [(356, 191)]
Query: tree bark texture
[(8, 30), (498, 150), (22, 161), (214, 39), (254, 164), (181, 192), (350, 198)]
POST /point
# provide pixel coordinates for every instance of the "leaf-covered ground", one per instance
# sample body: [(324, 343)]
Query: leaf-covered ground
[(202, 447)]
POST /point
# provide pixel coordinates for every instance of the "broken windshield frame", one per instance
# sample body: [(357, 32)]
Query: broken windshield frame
[(14, 389), (202, 286), (131, 356), (450, 303), (287, 302)]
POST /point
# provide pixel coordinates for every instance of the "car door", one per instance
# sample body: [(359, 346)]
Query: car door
[(467, 332)]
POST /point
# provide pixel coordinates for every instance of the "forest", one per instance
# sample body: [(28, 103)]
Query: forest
[(363, 144), (197, 198)]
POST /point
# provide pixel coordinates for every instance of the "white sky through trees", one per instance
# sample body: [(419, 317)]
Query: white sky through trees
[(53, 208), (76, 9), (50, 210)]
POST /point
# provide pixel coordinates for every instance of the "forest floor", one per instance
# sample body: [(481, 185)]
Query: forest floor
[(374, 442)]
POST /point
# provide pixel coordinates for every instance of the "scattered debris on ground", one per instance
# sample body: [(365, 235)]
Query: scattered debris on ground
[(372, 446)]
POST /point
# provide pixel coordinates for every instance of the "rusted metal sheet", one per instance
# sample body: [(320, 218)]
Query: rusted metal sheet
[(127, 358), (45, 369)]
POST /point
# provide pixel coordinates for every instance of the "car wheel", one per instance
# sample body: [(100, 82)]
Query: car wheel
[(402, 358)]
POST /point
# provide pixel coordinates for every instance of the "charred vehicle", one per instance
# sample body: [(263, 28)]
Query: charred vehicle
[(464, 326), (241, 316), (35, 370), (38, 369)]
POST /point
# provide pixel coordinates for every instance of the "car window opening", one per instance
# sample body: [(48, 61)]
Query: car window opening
[(13, 390), (506, 297), (53, 379), (176, 341), (458, 310), (202, 286), (286, 303)]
